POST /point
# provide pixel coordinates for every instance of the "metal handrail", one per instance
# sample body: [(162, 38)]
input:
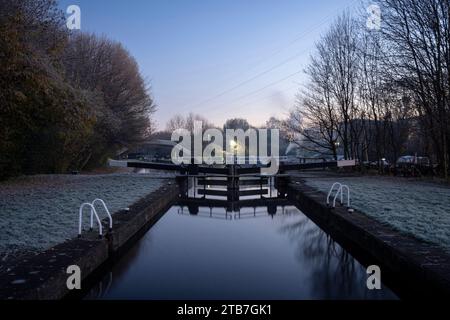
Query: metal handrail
[(93, 211), (107, 212), (332, 189), (341, 192)]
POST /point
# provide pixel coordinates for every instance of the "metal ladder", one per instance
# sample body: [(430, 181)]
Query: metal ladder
[(94, 213), (340, 192)]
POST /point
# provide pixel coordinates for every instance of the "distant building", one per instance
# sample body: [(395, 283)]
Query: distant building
[(154, 150)]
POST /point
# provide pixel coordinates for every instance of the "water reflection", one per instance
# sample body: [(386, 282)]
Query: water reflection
[(335, 273), (210, 253), (101, 289)]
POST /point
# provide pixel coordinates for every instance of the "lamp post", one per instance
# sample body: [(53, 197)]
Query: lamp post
[(234, 146)]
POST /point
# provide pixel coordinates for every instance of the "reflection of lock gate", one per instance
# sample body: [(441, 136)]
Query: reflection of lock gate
[(259, 208)]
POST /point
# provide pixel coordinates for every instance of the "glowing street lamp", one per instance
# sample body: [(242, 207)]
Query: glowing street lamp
[(234, 147)]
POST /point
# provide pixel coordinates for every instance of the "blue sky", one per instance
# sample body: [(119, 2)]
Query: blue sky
[(217, 58)]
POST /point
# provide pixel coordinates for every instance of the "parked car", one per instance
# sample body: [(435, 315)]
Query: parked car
[(413, 160), (414, 166), (382, 162)]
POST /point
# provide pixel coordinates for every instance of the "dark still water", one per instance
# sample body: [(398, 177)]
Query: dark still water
[(252, 256)]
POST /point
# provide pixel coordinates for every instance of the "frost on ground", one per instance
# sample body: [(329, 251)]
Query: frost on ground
[(39, 212), (420, 209)]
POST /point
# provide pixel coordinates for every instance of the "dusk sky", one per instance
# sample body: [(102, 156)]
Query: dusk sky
[(217, 58)]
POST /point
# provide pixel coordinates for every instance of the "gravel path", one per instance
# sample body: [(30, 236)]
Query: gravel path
[(420, 209), (39, 212)]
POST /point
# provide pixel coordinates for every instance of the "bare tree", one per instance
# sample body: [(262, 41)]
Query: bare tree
[(418, 35), (187, 122), (342, 44), (314, 119), (176, 122), (372, 88), (327, 108), (236, 123)]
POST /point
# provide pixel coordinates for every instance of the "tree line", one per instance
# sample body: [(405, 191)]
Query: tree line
[(187, 122), (68, 100), (380, 93)]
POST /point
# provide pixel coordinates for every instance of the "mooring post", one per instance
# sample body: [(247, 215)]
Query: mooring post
[(194, 183), (183, 185), (281, 182), (204, 187), (261, 186), (236, 181), (231, 184)]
